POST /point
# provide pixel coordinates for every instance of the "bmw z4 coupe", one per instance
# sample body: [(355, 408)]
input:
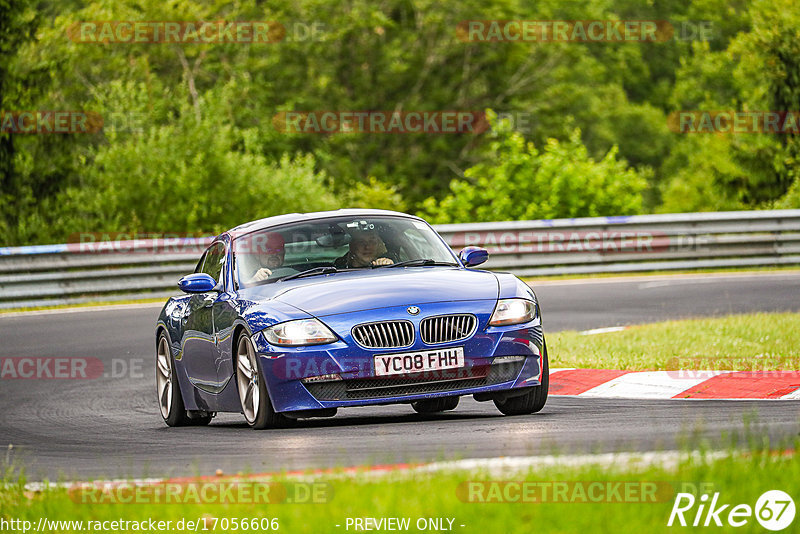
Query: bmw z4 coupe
[(297, 315)]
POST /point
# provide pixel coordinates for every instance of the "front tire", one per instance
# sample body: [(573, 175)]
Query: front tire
[(442, 404), (534, 400), (253, 397)]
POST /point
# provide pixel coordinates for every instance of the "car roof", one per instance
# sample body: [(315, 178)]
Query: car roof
[(287, 218)]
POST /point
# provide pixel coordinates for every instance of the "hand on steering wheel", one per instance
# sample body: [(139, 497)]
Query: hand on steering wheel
[(261, 275)]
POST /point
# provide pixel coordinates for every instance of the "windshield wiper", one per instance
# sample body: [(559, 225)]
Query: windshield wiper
[(325, 269), (418, 262)]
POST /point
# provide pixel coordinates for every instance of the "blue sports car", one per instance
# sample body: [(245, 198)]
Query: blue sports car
[(297, 315)]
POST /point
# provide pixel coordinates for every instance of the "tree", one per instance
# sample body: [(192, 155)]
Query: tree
[(517, 182), (194, 175), (17, 25)]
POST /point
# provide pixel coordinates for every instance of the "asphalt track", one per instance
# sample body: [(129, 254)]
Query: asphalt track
[(110, 426)]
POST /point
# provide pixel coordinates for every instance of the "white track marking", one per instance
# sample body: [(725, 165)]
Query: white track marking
[(621, 460), (501, 466), (650, 384), (606, 330), (794, 395)]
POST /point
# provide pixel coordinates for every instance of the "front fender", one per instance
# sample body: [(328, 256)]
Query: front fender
[(511, 287), (252, 317), (257, 316)]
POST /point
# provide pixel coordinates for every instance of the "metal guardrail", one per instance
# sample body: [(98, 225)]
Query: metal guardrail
[(72, 273)]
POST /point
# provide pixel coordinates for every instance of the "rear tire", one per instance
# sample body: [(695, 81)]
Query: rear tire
[(441, 404), (253, 396), (535, 399), (170, 400)]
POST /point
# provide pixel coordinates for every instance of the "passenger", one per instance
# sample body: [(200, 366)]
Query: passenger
[(366, 249)]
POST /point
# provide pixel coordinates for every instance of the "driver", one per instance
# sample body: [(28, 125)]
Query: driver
[(270, 252), (366, 249)]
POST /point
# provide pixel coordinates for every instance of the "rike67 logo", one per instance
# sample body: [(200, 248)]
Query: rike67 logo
[(774, 510)]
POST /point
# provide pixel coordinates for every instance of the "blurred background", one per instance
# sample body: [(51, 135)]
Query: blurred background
[(191, 140)]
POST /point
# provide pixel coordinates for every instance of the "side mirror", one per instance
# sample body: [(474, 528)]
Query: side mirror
[(197, 283), (472, 256)]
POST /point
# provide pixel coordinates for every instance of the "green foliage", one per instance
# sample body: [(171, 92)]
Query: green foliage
[(791, 200), (17, 25), (374, 194), (759, 70), (195, 175), (699, 165), (769, 74), (517, 181), (205, 112)]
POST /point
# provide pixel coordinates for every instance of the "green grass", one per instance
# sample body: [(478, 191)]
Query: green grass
[(738, 477), (751, 342), (84, 305)]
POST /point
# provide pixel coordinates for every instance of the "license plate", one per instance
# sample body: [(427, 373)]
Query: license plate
[(414, 362)]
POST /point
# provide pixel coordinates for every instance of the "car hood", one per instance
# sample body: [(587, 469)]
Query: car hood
[(363, 290)]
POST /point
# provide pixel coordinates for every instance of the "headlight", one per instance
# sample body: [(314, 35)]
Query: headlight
[(513, 311), (299, 332)]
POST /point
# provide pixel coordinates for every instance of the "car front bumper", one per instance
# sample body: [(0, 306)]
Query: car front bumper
[(342, 373)]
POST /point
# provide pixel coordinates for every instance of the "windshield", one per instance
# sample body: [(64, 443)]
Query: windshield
[(335, 244)]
